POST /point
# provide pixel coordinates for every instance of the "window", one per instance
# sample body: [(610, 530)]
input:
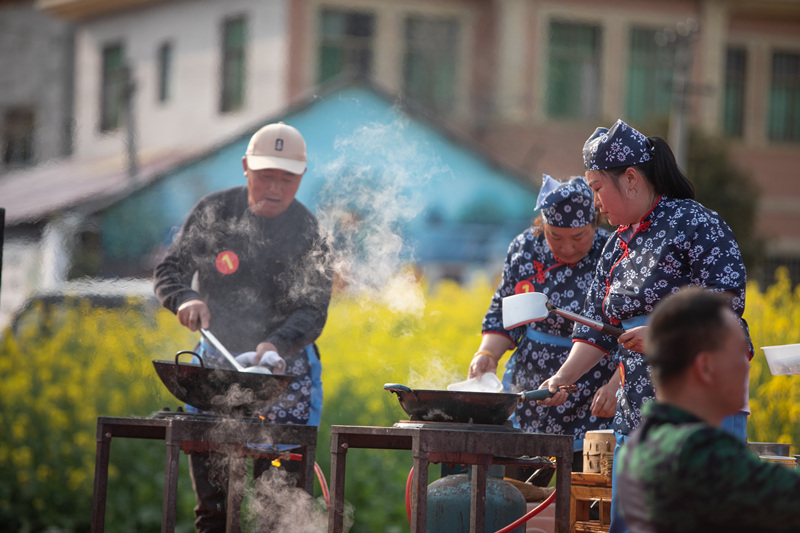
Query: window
[(573, 82), (649, 77), (234, 35), (112, 92), (18, 137), (784, 98), (733, 97), (345, 43), (430, 61), (164, 71)]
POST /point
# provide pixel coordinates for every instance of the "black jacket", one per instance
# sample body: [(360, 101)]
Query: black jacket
[(264, 279)]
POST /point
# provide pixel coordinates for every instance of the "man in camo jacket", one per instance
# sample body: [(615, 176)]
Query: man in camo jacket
[(679, 472)]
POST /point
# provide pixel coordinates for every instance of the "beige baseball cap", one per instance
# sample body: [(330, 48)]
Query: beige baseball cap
[(277, 146)]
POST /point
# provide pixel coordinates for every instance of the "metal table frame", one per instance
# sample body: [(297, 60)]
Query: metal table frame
[(226, 435), (456, 446)]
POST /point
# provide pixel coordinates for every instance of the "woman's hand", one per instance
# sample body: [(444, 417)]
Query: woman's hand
[(604, 403), (493, 347), (633, 339), (482, 363), (554, 384)]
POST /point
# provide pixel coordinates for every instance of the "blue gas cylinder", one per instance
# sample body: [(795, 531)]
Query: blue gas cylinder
[(449, 499)]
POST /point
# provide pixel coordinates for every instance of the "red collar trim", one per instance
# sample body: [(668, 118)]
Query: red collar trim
[(643, 223)]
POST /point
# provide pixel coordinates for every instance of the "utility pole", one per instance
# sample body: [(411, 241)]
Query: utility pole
[(128, 93), (680, 39), (2, 238)]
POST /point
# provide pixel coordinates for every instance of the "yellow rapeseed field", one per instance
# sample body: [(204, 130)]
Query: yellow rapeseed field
[(63, 366)]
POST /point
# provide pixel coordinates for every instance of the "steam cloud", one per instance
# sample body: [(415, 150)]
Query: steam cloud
[(371, 192), (274, 502), (283, 508)]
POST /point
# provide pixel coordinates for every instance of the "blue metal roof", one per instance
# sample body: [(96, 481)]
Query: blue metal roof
[(393, 170)]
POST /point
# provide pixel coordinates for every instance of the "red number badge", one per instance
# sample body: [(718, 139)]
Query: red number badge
[(523, 287), (227, 262)]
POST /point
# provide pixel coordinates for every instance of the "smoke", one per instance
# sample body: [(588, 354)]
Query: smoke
[(372, 190), (273, 502), (279, 506), (233, 400), (437, 374)]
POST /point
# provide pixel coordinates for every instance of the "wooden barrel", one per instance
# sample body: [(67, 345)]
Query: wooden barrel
[(594, 445)]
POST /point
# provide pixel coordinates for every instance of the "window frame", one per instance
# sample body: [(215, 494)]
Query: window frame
[(112, 86), (19, 137), (433, 95), (356, 52), (788, 129), (734, 93), (590, 97), (233, 65), (658, 69)]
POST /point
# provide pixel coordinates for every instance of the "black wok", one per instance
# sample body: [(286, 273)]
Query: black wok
[(219, 390), (456, 406)]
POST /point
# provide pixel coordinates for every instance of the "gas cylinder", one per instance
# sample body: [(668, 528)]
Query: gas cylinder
[(449, 500)]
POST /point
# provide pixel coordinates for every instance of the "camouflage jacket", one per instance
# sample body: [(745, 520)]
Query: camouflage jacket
[(676, 473)]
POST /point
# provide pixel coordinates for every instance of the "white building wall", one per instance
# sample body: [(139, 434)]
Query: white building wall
[(191, 115), (36, 74)]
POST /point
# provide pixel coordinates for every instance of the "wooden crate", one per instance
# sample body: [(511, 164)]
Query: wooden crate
[(588, 488)]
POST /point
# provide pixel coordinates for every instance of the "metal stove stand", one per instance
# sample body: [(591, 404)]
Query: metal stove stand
[(478, 447), (225, 435)]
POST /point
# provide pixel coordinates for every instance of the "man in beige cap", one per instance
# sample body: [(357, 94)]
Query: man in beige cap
[(251, 264)]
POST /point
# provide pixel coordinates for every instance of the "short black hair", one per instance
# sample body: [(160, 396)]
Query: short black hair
[(682, 325)]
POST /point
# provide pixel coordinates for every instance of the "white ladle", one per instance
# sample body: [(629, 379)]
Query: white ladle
[(224, 351), (528, 307)]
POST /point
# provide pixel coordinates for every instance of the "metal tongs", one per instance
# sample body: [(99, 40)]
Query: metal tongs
[(231, 359)]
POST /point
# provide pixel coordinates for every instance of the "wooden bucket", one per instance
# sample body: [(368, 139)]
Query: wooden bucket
[(594, 445)]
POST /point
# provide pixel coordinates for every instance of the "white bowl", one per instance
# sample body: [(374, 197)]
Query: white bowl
[(783, 360)]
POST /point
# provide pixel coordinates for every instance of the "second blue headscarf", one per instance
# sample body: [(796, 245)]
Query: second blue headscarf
[(567, 204)]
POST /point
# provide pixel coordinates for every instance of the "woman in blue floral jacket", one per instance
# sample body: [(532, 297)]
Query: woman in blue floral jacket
[(665, 240), (557, 256)]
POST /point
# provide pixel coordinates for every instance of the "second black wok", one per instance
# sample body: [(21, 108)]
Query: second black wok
[(464, 407)]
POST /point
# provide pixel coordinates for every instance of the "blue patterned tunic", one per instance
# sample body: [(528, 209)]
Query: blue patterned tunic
[(678, 243), (530, 259)]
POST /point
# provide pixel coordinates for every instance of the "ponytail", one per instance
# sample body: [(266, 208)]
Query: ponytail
[(664, 173)]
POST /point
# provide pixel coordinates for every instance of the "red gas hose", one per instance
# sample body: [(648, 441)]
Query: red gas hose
[(510, 527), (408, 494), (530, 514), (323, 484)]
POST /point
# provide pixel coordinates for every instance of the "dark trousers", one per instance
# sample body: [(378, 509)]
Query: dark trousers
[(210, 477)]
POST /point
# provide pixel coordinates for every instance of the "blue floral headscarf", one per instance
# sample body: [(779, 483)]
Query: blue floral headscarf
[(566, 204), (620, 146)]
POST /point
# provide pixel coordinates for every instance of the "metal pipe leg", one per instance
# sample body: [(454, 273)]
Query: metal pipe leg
[(169, 506), (100, 480), (419, 504), (336, 507)]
